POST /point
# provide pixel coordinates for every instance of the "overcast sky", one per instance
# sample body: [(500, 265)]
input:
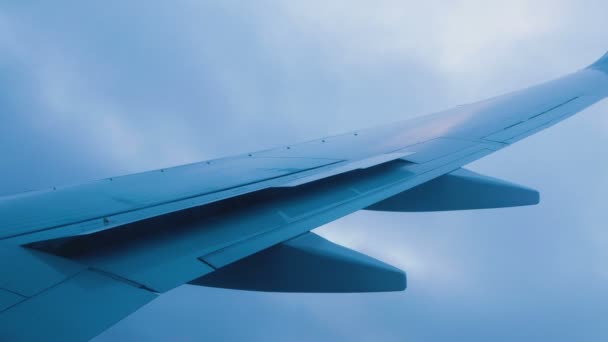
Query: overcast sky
[(96, 89)]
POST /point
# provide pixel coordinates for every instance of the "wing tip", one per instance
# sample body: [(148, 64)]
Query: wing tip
[(601, 64)]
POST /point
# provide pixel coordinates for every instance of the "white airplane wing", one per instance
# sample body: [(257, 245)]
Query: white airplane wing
[(75, 260)]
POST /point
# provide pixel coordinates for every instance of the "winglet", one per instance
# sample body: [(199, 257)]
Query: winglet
[(601, 64)]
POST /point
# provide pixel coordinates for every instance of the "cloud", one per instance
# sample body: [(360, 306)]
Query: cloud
[(73, 99), (449, 36), (426, 258)]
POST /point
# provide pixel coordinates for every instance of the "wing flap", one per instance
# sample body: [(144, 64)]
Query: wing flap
[(8, 299), (76, 309), (32, 271), (64, 299), (156, 271), (307, 263)]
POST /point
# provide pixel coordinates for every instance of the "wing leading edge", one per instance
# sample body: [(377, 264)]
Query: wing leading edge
[(88, 255)]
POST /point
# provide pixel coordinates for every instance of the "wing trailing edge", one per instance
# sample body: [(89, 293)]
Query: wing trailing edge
[(460, 190), (48, 297), (307, 263)]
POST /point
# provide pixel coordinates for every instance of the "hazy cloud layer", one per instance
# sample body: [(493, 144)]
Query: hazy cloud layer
[(97, 89)]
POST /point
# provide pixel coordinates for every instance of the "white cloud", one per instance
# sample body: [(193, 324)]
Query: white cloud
[(70, 104), (8, 41), (434, 264), (74, 105), (453, 36)]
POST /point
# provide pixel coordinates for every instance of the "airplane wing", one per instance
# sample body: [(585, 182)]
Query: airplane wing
[(75, 260)]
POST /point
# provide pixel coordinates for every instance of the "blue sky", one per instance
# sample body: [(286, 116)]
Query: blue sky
[(90, 90)]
